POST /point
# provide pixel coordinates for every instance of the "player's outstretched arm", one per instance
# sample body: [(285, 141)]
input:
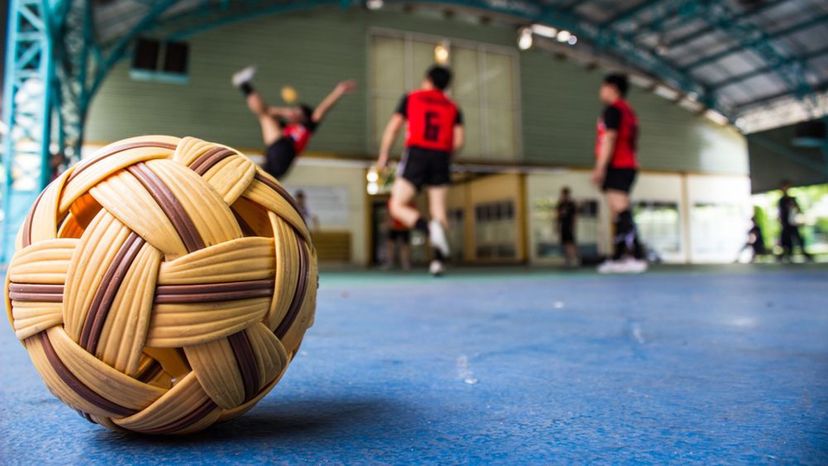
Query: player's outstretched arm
[(392, 129), (345, 87)]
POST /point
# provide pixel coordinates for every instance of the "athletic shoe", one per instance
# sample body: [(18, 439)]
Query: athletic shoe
[(437, 237), (436, 268), (608, 266), (244, 75), (632, 266), (628, 265)]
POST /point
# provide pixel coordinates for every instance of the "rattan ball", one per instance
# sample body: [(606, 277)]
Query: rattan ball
[(162, 285)]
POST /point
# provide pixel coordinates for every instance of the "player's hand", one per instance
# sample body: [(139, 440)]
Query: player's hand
[(598, 175), (347, 87), (382, 162)]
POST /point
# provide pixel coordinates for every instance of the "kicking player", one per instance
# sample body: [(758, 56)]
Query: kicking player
[(615, 170), (286, 130), (434, 132)]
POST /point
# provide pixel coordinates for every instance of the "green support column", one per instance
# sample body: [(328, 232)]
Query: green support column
[(27, 112)]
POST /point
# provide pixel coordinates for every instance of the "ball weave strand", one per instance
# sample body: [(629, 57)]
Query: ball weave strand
[(162, 285)]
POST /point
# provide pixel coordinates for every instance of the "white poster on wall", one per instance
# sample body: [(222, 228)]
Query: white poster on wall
[(328, 204)]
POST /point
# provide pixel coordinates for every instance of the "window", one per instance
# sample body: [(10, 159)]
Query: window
[(659, 225), (494, 230), (717, 230), (456, 234), (485, 86)]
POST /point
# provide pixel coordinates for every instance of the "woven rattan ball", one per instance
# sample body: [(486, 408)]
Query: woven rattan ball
[(162, 285)]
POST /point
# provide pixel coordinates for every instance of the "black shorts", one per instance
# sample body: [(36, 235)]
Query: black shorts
[(567, 235), (425, 167), (395, 235), (279, 157), (619, 179)]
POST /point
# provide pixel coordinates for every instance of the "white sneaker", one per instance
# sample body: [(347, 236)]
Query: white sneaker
[(244, 75), (628, 265), (632, 265), (608, 266), (436, 268), (437, 237)]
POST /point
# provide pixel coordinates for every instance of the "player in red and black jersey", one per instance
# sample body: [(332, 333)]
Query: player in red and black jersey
[(616, 167), (434, 131), (286, 130)]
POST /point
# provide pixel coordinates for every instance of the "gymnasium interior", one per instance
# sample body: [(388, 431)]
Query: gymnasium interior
[(515, 356)]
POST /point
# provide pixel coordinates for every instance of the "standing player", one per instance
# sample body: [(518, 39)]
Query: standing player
[(615, 171), (285, 130), (567, 212), (788, 211), (311, 220), (434, 132)]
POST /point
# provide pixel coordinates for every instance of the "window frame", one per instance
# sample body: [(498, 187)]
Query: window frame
[(481, 48)]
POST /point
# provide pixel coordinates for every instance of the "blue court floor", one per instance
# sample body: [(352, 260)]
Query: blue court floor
[(685, 365)]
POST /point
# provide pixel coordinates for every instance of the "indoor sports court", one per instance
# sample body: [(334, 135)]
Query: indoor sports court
[(388, 232)]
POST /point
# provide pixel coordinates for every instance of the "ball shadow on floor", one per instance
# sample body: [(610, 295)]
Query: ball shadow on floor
[(306, 419)]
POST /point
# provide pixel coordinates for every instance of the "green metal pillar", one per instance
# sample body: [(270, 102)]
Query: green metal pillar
[(28, 105)]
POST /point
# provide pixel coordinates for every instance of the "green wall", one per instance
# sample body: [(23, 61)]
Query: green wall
[(312, 51), (561, 107)]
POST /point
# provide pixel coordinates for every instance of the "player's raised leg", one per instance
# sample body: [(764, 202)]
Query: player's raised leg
[(400, 206), (243, 80)]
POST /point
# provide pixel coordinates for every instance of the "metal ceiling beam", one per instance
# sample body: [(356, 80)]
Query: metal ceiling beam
[(755, 39), (667, 13), (767, 69), (188, 24), (691, 36), (629, 13), (571, 5), (612, 42), (741, 107), (117, 51), (607, 40), (78, 54)]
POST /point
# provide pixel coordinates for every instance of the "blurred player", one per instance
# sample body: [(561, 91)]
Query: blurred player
[(615, 170), (311, 220), (286, 130), (790, 236), (755, 242), (434, 132), (567, 211)]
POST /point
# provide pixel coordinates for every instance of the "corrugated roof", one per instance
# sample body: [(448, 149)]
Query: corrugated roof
[(744, 56)]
